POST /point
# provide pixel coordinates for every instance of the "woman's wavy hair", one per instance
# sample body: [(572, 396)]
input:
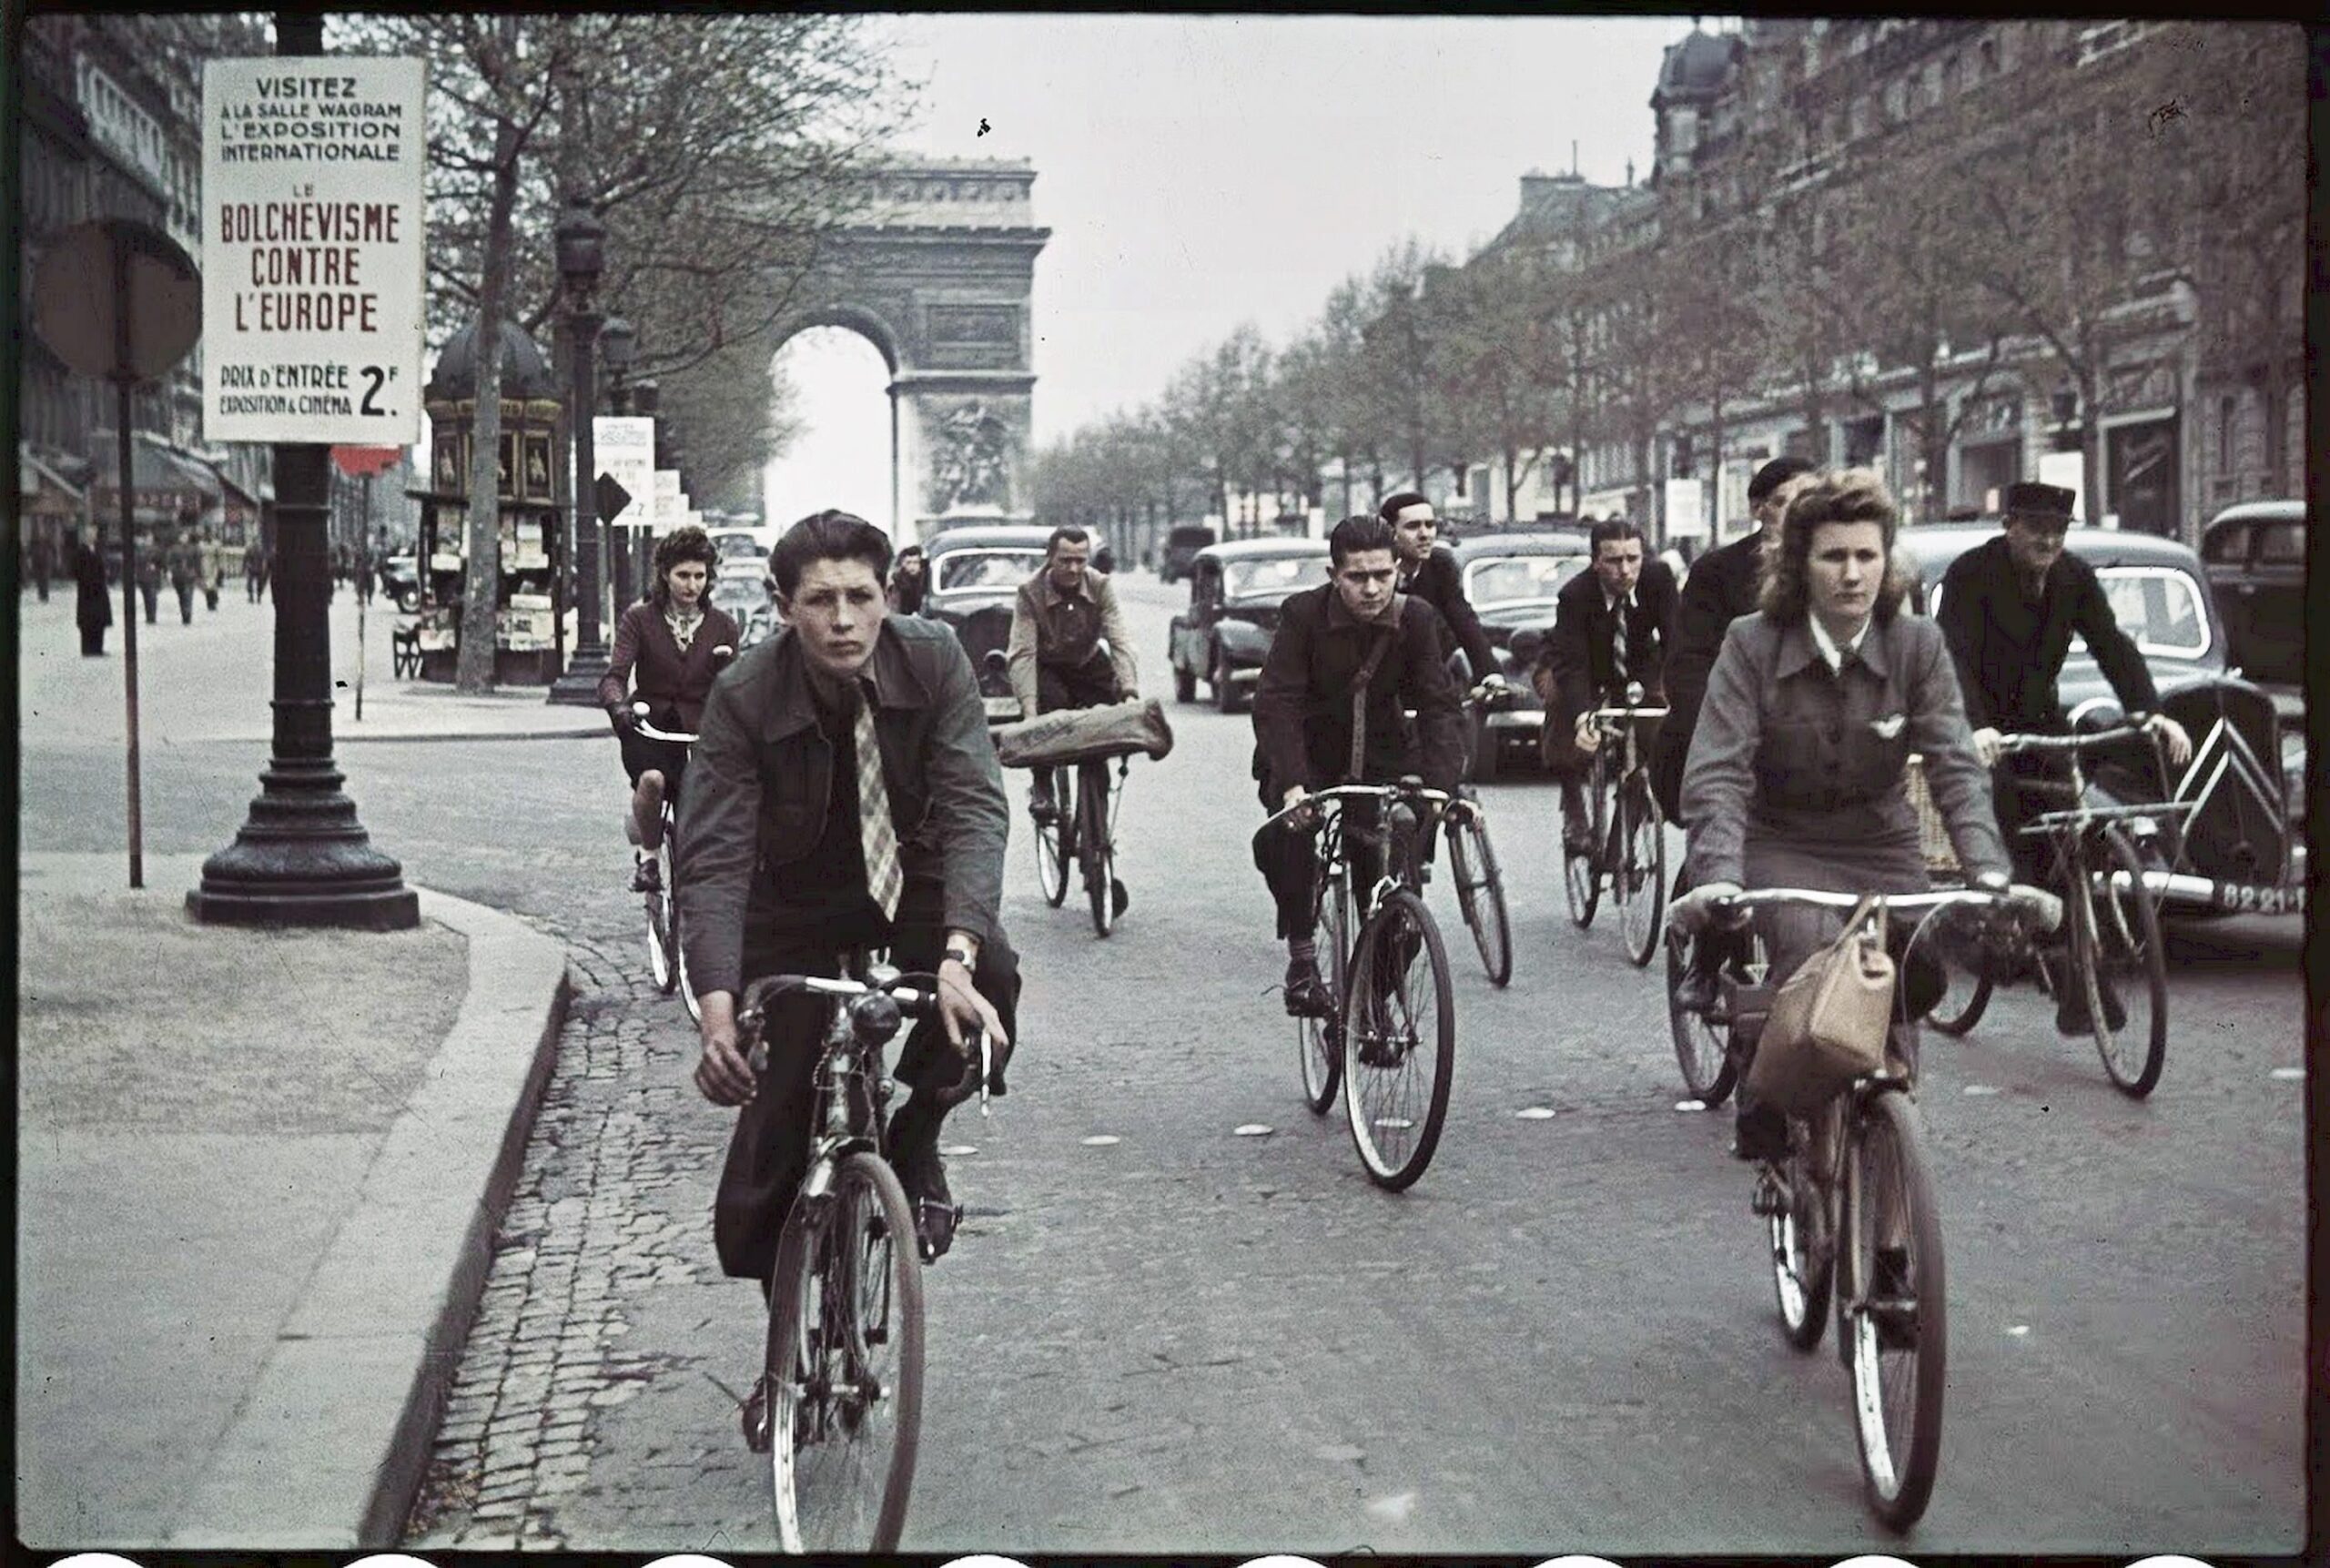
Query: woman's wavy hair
[(689, 543), (1841, 495)]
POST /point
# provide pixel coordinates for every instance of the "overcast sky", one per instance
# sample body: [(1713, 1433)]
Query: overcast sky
[(1200, 171)]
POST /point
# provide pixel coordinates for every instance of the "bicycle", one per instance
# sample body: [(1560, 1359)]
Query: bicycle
[(2111, 942), (667, 958), (1625, 833), (844, 1360), (1083, 834), (1372, 1043), (1858, 1169), (1473, 867)]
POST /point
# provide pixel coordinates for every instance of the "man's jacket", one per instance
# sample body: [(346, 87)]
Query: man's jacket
[(1577, 657), (2008, 649), (1302, 708), (1048, 629), (1722, 587), (758, 783), (1440, 584)]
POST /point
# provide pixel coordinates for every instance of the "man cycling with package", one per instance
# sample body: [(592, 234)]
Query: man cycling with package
[(1058, 621)]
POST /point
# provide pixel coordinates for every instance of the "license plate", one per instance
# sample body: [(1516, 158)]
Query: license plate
[(2248, 899)]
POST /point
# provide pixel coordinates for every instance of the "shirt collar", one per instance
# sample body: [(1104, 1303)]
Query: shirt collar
[(1339, 614), (1826, 647)]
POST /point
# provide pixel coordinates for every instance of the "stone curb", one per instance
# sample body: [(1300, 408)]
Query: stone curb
[(329, 1447), (341, 737)]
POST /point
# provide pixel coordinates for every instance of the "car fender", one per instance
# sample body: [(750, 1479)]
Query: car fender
[(1242, 640)]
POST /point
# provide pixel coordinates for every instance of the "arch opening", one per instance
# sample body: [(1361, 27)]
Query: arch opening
[(832, 382)]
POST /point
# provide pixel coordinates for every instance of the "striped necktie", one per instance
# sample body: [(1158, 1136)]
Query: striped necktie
[(877, 836), (1618, 642)]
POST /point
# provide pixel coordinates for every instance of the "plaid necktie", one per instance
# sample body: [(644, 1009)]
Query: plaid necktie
[(1618, 642), (877, 836)]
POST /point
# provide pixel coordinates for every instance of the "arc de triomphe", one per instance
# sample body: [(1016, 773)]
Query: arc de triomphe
[(935, 272)]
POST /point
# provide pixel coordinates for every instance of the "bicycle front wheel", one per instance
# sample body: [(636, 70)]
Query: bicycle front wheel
[(1701, 1044), (1319, 1042), (1891, 1322), (1803, 1243), (662, 936), (1095, 852), (1965, 999), (1399, 1041), (1055, 842), (2126, 974), (845, 1366), (1639, 873), (1480, 895)]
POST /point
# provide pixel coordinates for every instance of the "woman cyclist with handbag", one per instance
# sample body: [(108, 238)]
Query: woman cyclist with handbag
[(1795, 775), (668, 646)]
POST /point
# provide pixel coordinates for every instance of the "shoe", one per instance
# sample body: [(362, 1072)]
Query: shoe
[(646, 876), (936, 1213), (2071, 1016), (1306, 993), (1761, 1133), (1044, 811), (754, 1417), (1577, 835)]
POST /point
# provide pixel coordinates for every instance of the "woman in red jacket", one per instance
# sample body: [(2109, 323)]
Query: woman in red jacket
[(667, 649)]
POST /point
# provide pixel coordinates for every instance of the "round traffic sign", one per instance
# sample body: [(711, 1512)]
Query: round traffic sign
[(114, 297)]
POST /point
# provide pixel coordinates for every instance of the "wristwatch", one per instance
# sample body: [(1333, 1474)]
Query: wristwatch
[(961, 955)]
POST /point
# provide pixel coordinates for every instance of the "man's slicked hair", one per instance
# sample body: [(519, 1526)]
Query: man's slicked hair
[(829, 535), (1601, 533), (1066, 533), (1398, 503), (1356, 533)]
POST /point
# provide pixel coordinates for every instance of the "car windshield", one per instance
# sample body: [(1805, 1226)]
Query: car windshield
[(737, 594), (988, 568), (1498, 580), (731, 545), (1272, 578), (2158, 606)]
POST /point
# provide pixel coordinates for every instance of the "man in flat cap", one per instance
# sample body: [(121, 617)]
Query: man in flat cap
[(2009, 608)]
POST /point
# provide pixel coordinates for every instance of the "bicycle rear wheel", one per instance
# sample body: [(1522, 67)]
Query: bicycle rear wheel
[(1891, 1322), (2126, 968), (1319, 1042), (1803, 1245), (845, 1365), (1638, 874), (1095, 853), (1701, 1045), (1056, 841), (1399, 1041), (1480, 895)]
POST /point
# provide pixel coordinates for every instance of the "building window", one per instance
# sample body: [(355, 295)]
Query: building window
[(1990, 57), (2225, 407)]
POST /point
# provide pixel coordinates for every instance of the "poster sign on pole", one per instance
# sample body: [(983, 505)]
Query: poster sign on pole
[(313, 250), (669, 504), (624, 445), (1685, 513)]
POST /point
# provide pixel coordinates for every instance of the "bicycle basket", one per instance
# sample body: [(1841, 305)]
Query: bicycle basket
[(1933, 834)]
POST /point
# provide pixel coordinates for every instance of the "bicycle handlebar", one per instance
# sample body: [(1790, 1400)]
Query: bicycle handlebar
[(1356, 792), (2035, 904), (1611, 718), (640, 723), (912, 1003), (2031, 741)]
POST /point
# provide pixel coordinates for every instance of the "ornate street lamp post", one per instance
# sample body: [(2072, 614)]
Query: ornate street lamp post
[(581, 241), (619, 346)]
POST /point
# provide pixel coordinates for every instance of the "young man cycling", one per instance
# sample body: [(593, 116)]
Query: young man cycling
[(1432, 575), (1058, 621), (1587, 659), (1348, 662), (843, 794)]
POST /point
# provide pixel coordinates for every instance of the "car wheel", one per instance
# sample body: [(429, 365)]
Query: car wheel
[(1225, 690), (408, 600), (1185, 683)]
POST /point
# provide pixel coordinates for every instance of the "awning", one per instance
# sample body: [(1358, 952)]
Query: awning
[(164, 484), (38, 474)]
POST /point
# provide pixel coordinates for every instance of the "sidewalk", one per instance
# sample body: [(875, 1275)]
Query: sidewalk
[(215, 680), (259, 1174)]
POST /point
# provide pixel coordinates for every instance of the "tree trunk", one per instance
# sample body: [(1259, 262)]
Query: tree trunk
[(474, 669), (2090, 447)]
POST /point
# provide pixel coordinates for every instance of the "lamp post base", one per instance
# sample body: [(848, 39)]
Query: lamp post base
[(579, 687), (303, 859)]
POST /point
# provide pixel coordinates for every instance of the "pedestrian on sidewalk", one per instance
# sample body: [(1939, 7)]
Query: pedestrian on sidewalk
[(93, 606), (149, 579), (214, 567), (43, 562), (364, 569), (186, 570), (254, 571)]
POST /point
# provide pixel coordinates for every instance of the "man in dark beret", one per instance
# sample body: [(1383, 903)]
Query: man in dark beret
[(2009, 608)]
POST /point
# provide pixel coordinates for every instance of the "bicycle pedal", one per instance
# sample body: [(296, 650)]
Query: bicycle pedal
[(1769, 1201)]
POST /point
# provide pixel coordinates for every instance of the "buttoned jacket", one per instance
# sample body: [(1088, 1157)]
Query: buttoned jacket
[(2009, 650), (648, 658), (760, 779), (1792, 754), (1039, 634), (1302, 706), (1578, 658), (1439, 583)]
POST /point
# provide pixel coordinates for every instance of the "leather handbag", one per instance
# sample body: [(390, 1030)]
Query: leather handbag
[(1827, 1022)]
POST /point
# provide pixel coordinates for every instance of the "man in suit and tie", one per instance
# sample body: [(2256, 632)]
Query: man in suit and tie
[(1611, 626)]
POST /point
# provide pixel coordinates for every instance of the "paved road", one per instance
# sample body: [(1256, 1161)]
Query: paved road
[(1193, 1340)]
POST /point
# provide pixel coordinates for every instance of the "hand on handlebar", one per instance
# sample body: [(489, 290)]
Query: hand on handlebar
[(1697, 910), (961, 1008), (1588, 734), (1986, 745), (721, 1074), (2036, 904), (1305, 815), (2172, 735), (626, 716)]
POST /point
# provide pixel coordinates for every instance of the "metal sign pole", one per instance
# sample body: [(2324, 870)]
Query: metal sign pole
[(124, 382), (363, 598)]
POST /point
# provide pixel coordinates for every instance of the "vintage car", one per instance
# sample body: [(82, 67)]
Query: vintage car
[(400, 582), (2255, 555), (1180, 548), (738, 588), (1510, 579), (974, 573), (1234, 594), (2236, 842)]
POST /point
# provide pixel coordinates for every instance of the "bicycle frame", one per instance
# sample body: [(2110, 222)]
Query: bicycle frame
[(1612, 771), (1408, 871)]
